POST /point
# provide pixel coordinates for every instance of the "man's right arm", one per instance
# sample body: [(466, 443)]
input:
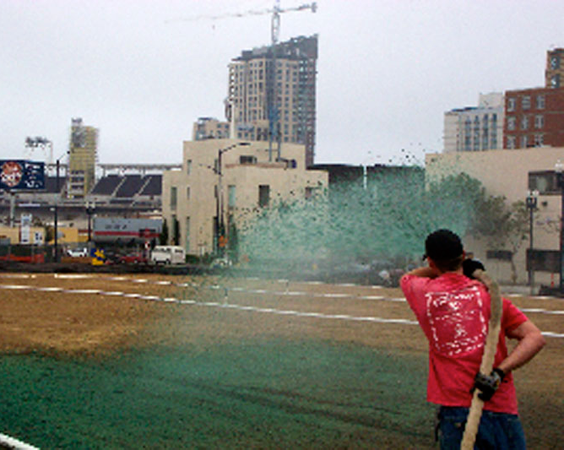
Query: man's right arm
[(424, 272)]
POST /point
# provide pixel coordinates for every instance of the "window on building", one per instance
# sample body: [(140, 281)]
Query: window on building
[(247, 159), (500, 255), (264, 195), (511, 104), (540, 101), (493, 128), (539, 140), (476, 139), (188, 193), (545, 182), (511, 142), (539, 121), (231, 196), (555, 81), (524, 141), (485, 139), (173, 197), (494, 140), (543, 260), (309, 192), (511, 122), (524, 122), (526, 102)]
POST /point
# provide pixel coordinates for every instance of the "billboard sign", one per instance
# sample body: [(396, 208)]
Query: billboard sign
[(22, 175), (122, 230)]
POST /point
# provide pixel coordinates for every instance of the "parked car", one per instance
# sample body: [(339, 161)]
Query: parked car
[(77, 252), (134, 258), (221, 263)]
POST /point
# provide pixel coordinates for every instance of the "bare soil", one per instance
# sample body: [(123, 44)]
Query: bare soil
[(91, 323)]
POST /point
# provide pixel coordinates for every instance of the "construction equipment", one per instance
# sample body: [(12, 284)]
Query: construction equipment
[(272, 94), (276, 10)]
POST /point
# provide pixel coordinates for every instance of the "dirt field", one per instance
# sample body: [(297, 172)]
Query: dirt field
[(72, 317)]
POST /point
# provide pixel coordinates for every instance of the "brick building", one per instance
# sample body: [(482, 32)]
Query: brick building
[(534, 118)]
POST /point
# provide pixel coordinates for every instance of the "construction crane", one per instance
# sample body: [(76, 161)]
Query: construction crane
[(271, 89), (275, 11)]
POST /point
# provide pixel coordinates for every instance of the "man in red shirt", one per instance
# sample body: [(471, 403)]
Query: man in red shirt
[(453, 311)]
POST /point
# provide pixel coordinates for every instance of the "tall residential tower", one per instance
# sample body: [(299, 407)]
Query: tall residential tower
[(83, 150), (272, 95)]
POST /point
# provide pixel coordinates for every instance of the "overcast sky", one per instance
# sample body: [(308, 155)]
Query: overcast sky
[(387, 69)]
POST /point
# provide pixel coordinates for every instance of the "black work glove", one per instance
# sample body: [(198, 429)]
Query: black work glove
[(470, 265), (488, 384)]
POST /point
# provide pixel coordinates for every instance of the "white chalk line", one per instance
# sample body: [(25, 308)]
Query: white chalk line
[(217, 287), (282, 312), (261, 291), (241, 289), (226, 305), (16, 444)]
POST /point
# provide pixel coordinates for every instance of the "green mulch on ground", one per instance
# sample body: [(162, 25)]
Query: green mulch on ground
[(247, 394)]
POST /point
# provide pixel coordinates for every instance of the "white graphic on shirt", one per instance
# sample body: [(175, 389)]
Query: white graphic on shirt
[(457, 321)]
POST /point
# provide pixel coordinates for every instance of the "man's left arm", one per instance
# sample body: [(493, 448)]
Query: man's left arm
[(531, 341)]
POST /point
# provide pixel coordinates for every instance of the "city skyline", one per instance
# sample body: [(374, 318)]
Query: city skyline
[(387, 70)]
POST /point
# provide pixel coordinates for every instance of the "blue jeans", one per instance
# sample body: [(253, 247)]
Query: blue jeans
[(497, 431)]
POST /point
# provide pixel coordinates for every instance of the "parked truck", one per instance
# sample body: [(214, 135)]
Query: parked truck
[(168, 254)]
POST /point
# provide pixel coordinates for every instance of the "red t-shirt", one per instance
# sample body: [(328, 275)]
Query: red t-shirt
[(454, 313)]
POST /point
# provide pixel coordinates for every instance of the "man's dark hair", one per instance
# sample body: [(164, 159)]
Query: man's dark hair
[(445, 249)]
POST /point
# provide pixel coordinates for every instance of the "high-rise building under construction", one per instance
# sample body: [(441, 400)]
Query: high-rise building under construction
[(83, 150), (279, 105)]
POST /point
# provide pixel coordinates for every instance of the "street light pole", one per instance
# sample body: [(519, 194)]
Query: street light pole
[(90, 208), (56, 209), (532, 198), (221, 234)]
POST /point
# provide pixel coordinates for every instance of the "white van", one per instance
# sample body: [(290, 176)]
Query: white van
[(168, 254)]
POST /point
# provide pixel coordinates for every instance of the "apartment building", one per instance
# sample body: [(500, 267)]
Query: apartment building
[(534, 118), (225, 183), (474, 129), (272, 94), (83, 154)]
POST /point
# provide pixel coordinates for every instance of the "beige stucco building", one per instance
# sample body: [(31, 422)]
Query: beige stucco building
[(512, 173), (227, 182)]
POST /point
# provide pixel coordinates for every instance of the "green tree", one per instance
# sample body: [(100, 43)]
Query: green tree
[(175, 231), (504, 227), (49, 233), (388, 218), (163, 237)]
